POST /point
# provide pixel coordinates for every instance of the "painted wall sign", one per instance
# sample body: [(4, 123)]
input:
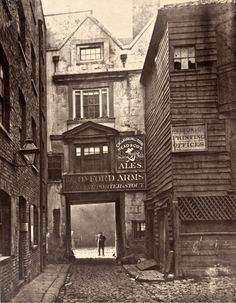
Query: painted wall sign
[(104, 182), (130, 153), (188, 138)]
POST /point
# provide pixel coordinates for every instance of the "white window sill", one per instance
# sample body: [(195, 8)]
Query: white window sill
[(3, 258), (2, 128)]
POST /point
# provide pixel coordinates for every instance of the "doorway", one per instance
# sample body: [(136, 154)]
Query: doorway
[(22, 236), (87, 220)]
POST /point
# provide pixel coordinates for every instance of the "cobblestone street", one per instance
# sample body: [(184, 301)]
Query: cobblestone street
[(105, 281)]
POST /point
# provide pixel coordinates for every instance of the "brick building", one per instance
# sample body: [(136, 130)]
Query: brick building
[(189, 77), (22, 117), (95, 126)]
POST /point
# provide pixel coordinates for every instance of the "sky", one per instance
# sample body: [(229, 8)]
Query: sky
[(114, 14)]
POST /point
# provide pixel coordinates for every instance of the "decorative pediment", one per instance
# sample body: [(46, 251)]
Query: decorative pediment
[(89, 130)]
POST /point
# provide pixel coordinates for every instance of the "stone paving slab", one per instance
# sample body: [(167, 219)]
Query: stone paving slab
[(146, 264), (143, 276), (45, 287)]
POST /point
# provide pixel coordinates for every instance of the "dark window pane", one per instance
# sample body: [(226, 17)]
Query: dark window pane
[(4, 90), (184, 58), (91, 104), (22, 127), (177, 64), (5, 224), (54, 167), (104, 103), (77, 105), (139, 228)]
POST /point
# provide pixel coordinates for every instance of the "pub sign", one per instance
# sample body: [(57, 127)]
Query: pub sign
[(130, 153)]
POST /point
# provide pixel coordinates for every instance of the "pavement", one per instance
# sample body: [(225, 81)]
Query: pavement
[(45, 287)]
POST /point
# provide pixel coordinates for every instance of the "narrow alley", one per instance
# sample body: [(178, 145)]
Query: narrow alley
[(103, 280)]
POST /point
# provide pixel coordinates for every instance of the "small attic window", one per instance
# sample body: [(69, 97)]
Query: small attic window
[(89, 53)]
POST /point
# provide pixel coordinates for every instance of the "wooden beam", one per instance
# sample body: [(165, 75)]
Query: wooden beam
[(176, 235)]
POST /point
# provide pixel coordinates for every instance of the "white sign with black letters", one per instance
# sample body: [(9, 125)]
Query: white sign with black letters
[(188, 138)]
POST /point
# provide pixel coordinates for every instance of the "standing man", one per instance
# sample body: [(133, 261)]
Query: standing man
[(101, 243)]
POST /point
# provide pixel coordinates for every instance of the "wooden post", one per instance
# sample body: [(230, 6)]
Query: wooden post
[(68, 229), (176, 232)]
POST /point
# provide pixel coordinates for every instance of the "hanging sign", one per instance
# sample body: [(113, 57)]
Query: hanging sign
[(130, 154)]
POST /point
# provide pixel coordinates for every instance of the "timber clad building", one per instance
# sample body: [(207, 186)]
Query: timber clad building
[(22, 116), (96, 147), (189, 77)]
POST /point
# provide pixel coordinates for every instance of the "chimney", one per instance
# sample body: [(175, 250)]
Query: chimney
[(143, 11)]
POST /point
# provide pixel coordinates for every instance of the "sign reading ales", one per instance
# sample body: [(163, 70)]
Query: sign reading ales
[(188, 138), (130, 153)]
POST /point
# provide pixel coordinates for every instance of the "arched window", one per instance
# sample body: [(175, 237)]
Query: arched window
[(34, 237), (5, 224), (4, 90)]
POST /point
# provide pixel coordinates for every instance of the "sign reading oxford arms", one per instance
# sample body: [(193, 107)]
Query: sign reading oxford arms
[(129, 170)]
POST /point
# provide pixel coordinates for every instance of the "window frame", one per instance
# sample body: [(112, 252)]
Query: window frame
[(5, 98), (138, 233), (81, 93), (34, 225), (22, 126), (21, 25), (81, 166), (187, 57), (33, 65), (6, 224), (55, 169), (89, 46)]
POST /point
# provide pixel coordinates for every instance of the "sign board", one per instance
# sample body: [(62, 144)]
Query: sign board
[(130, 153), (76, 183), (188, 138)]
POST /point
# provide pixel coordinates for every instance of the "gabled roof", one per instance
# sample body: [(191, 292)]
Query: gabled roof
[(61, 27), (89, 130)]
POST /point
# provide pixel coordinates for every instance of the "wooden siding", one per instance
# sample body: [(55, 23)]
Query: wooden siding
[(157, 119), (194, 100), (201, 251)]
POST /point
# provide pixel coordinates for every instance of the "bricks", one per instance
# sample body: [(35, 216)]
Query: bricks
[(21, 181)]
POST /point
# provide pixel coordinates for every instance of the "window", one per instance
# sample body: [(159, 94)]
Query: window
[(33, 64), (91, 103), (5, 224), (184, 58), (21, 23), (4, 90), (139, 228), (54, 167), (88, 53), (22, 127), (34, 131), (34, 225), (92, 158)]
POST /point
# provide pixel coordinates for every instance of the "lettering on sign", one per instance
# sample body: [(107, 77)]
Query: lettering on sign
[(188, 138), (104, 182), (130, 153)]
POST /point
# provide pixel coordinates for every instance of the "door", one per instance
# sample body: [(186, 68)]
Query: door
[(23, 236)]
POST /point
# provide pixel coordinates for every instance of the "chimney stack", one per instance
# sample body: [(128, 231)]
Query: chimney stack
[(143, 11)]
